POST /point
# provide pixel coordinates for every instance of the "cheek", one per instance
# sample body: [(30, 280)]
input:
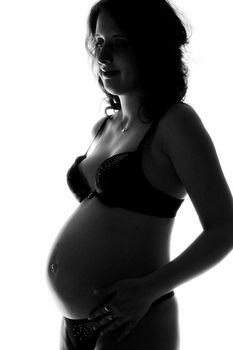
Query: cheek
[(131, 74), (132, 69)]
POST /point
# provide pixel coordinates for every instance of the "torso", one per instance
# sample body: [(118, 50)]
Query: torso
[(99, 245)]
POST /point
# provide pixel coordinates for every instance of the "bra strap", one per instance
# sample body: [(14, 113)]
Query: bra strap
[(99, 131)]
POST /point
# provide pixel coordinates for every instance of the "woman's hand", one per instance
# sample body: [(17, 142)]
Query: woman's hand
[(128, 306)]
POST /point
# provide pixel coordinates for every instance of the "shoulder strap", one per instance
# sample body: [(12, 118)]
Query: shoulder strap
[(99, 132)]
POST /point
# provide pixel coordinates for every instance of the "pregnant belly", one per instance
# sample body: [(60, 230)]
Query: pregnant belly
[(97, 246)]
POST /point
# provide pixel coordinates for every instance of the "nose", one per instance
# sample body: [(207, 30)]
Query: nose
[(105, 56)]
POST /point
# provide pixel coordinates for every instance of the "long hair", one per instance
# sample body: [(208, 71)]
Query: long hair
[(158, 38)]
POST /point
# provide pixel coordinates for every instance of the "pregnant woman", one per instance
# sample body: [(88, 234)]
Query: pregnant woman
[(148, 154)]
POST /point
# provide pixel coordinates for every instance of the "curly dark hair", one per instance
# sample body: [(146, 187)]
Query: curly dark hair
[(158, 37)]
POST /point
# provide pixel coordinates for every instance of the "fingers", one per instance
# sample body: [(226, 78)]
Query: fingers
[(103, 321), (97, 313), (112, 326), (101, 311), (108, 323), (116, 324)]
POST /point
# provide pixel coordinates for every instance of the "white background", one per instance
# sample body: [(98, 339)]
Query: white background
[(49, 101)]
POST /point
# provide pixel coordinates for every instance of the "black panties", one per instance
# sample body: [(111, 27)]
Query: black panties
[(79, 334)]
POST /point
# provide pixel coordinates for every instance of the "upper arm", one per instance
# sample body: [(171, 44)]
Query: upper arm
[(193, 155)]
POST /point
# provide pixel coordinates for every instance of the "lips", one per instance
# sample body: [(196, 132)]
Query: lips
[(109, 74)]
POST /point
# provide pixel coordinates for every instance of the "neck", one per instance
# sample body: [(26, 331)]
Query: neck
[(129, 107), (128, 115)]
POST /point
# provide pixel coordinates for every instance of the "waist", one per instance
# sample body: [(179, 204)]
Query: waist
[(77, 322)]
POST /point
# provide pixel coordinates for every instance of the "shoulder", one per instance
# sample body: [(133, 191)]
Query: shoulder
[(181, 125), (97, 125), (186, 142)]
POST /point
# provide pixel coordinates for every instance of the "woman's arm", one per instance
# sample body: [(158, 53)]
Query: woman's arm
[(209, 248), (192, 153)]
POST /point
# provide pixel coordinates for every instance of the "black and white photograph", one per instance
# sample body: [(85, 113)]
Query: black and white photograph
[(116, 175)]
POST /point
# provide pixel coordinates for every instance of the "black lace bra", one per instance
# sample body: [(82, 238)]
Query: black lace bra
[(120, 182)]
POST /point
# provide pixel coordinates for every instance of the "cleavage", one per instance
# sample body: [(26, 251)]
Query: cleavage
[(91, 166), (105, 144)]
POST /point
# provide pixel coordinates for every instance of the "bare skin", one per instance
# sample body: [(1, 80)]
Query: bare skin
[(99, 245)]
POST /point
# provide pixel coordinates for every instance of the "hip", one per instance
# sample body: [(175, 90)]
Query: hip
[(157, 329)]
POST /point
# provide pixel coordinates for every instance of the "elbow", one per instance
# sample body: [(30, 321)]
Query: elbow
[(221, 235), (225, 234)]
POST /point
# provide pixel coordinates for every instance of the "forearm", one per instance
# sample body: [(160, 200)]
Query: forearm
[(209, 248)]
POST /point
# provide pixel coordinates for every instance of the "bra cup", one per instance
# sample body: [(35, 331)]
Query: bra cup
[(113, 173), (75, 181), (121, 182)]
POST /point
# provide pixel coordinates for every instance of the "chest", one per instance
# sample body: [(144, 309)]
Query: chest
[(155, 165)]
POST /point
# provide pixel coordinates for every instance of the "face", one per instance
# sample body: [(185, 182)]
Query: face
[(117, 63)]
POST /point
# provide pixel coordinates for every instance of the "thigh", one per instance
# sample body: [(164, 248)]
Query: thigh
[(158, 330), (64, 341)]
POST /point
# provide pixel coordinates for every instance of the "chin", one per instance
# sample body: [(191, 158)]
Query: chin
[(120, 90)]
